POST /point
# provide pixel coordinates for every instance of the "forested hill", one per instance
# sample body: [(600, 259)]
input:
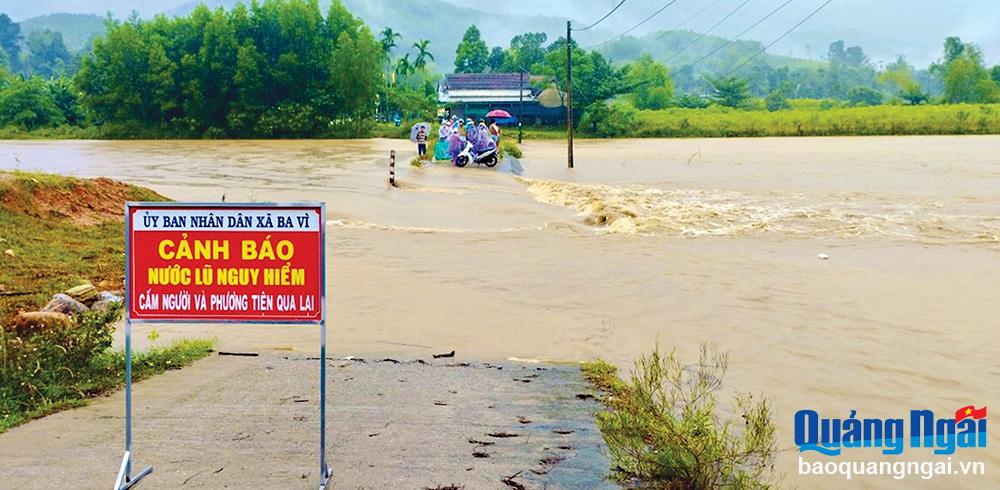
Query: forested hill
[(77, 29)]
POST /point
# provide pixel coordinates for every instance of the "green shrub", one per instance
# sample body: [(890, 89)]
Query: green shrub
[(691, 101), (662, 426), (609, 119), (776, 101), (29, 105), (509, 147), (864, 96), (56, 368)]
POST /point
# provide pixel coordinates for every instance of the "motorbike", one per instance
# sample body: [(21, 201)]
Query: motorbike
[(489, 156)]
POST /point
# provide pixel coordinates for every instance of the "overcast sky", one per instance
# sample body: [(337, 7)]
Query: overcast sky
[(884, 28)]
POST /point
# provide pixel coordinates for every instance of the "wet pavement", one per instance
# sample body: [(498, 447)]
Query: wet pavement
[(252, 422)]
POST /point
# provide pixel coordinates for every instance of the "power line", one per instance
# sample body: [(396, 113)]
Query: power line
[(789, 31), (710, 29), (748, 29), (602, 18), (689, 19), (647, 19)]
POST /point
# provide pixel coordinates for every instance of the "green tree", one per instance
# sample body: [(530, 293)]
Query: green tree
[(995, 74), (209, 93), (900, 77), (388, 40), (10, 40), (526, 50), (594, 78), (864, 96), (472, 54), (108, 78), (965, 78), (276, 68), (355, 73), (340, 20), (423, 54), (47, 55), (730, 92), (495, 62), (650, 83), (968, 82), (28, 104), (609, 119), (403, 66), (248, 84), (65, 98), (777, 99)]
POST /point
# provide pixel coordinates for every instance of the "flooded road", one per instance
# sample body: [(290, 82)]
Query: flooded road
[(675, 241)]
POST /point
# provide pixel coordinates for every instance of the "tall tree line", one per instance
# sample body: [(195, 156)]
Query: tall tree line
[(277, 68)]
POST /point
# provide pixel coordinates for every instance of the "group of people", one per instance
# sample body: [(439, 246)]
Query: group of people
[(455, 133)]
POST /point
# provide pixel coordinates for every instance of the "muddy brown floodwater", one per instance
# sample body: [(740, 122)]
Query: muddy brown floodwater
[(675, 241)]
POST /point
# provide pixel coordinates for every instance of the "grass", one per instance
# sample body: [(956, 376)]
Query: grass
[(721, 122), (57, 369), (64, 231), (662, 427), (51, 251)]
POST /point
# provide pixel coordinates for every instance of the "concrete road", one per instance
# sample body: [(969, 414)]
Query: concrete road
[(252, 422)]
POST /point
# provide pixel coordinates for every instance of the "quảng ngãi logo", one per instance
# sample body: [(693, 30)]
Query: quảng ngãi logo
[(967, 429)]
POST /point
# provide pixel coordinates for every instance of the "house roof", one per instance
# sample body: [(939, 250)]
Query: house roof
[(486, 81)]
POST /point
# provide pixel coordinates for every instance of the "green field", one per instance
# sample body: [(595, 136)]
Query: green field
[(721, 122)]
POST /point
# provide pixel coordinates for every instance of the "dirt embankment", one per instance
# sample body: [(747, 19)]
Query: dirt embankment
[(68, 199), (59, 232)]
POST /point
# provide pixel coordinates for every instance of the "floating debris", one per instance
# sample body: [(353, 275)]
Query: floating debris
[(502, 435), (509, 481)]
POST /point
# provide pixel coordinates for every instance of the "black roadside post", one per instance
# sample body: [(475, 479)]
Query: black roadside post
[(569, 92)]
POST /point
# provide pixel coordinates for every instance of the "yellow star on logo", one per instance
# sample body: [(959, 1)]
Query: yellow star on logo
[(968, 411)]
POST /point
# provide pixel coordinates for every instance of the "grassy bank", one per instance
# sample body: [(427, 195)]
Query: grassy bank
[(722, 122), (57, 232)]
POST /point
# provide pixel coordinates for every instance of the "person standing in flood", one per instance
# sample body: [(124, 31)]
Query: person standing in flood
[(422, 142), (495, 132), (455, 144)]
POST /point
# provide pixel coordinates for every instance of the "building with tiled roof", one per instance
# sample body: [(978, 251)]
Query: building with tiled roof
[(475, 94)]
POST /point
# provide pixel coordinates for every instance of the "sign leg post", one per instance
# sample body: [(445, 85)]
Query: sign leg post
[(324, 470), (125, 478)]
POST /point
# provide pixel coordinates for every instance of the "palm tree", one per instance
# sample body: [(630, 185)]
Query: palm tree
[(388, 40), (422, 54), (404, 66)]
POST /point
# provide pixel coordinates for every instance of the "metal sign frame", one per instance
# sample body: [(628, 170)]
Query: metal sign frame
[(125, 478)]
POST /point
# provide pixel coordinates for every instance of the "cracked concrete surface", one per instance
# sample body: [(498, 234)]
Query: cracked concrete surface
[(252, 422)]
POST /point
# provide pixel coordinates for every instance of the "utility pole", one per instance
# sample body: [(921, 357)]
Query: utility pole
[(520, 109), (569, 92)]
